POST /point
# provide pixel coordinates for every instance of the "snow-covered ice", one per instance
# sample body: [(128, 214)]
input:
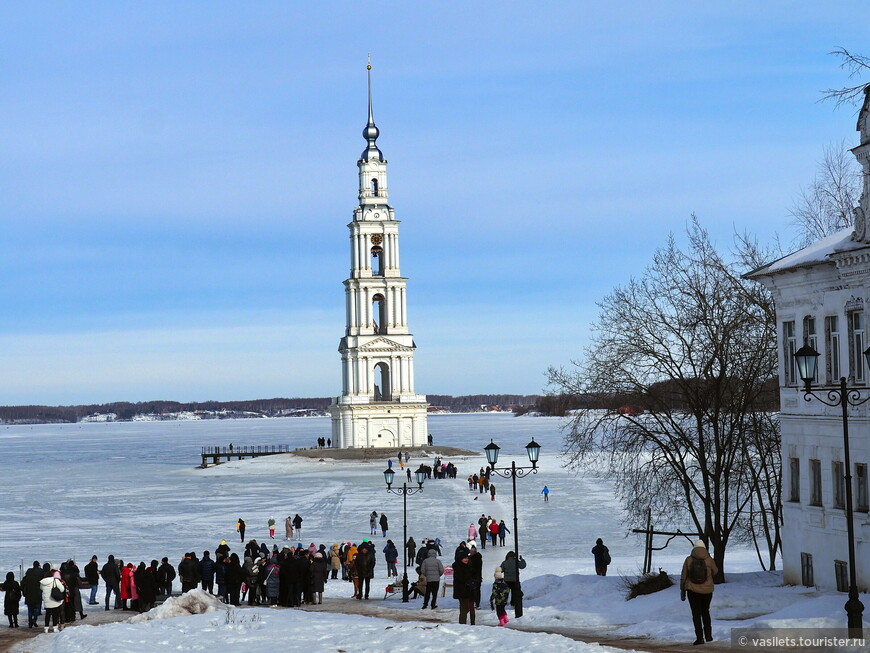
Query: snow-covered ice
[(133, 490)]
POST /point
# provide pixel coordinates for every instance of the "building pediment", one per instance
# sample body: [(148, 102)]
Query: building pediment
[(383, 345)]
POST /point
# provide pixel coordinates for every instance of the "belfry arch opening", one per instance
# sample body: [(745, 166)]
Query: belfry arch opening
[(379, 314), (374, 187), (377, 261), (382, 383)]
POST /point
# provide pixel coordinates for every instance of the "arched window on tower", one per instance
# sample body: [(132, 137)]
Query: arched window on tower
[(383, 390), (377, 261), (379, 314), (374, 187)]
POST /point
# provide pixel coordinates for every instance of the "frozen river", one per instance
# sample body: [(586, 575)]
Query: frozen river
[(134, 490)]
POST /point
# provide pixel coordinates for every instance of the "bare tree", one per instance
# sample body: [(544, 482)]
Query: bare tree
[(857, 65), (826, 205), (694, 344)]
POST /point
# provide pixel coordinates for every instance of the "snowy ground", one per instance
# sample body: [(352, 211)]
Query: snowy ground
[(133, 490)]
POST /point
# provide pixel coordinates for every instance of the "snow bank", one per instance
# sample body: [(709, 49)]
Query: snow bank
[(193, 602), (262, 630)]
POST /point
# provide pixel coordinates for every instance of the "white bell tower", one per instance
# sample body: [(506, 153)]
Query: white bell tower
[(377, 406)]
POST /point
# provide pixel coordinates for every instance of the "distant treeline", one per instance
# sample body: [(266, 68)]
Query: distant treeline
[(267, 407), (665, 394)]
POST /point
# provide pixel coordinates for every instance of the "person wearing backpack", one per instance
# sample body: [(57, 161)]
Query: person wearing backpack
[(602, 557), (696, 583)]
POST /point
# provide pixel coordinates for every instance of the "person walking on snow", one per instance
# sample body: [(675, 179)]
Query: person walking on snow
[(384, 525), (240, 527), (502, 531), (271, 524), (373, 522), (472, 532), (391, 555), (546, 493), (511, 569), (12, 599), (602, 557), (463, 589), (493, 530), (499, 597), (491, 492), (288, 528), (432, 569), (696, 582)]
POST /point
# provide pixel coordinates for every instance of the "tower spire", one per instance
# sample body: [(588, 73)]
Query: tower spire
[(371, 131), (369, 73)]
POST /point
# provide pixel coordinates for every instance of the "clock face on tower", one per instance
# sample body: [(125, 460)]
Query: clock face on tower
[(376, 239)]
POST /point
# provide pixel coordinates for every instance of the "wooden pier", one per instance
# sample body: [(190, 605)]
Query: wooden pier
[(218, 454)]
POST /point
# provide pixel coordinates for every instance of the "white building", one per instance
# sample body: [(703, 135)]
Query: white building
[(378, 406), (821, 293)]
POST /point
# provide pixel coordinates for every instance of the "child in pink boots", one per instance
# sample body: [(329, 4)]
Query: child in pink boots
[(499, 597)]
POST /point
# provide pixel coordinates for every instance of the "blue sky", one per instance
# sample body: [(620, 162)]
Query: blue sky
[(177, 177)]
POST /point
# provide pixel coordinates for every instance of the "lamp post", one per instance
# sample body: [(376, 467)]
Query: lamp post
[(807, 360), (389, 475), (533, 449)]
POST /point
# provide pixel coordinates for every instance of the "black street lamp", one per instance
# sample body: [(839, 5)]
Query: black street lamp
[(389, 475), (807, 359), (533, 449)]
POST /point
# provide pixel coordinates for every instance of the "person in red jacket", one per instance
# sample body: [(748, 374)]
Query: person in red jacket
[(493, 530), (126, 584)]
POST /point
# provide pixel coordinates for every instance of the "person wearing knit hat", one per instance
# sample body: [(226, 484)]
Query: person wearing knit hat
[(499, 597), (696, 583)]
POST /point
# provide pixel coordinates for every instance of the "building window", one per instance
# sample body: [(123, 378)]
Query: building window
[(789, 340), (839, 485), (811, 339), (841, 574), (861, 500), (856, 346), (807, 570), (374, 187), (832, 349), (794, 479), (815, 482)]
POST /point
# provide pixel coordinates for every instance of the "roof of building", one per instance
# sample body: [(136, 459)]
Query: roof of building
[(818, 252)]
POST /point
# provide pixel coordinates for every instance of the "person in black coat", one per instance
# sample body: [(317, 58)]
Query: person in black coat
[(92, 574), (206, 572), (602, 557), (384, 525), (111, 576), (234, 578), (69, 572), (365, 568), (146, 587), (318, 577), (220, 577), (475, 561), (12, 599), (164, 577), (463, 589), (32, 594), (411, 545)]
